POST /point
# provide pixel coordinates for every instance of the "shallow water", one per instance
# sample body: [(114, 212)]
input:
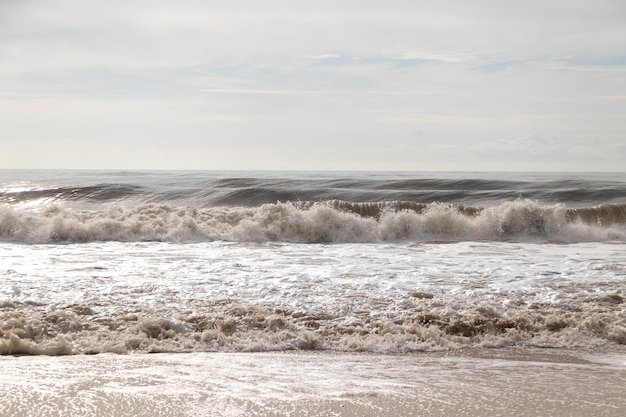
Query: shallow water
[(531, 382)]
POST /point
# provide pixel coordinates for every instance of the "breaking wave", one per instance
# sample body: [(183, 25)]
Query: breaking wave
[(333, 221), (230, 326)]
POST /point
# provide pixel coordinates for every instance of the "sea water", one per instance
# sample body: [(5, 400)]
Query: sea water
[(312, 293), (138, 262)]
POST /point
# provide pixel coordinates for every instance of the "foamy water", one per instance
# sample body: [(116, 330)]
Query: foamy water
[(390, 263), (231, 296)]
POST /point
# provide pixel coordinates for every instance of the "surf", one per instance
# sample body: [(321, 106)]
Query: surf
[(331, 221)]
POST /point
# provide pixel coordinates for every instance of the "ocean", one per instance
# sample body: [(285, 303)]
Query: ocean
[(273, 266)]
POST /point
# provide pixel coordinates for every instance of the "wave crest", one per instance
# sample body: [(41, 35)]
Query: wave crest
[(321, 222)]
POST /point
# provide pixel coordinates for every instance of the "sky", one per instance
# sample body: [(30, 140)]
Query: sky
[(485, 85)]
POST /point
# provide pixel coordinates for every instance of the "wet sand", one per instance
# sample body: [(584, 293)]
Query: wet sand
[(499, 382)]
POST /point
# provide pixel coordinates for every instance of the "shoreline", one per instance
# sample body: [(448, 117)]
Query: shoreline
[(472, 382)]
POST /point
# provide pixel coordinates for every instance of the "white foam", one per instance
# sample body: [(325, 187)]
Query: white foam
[(285, 222)]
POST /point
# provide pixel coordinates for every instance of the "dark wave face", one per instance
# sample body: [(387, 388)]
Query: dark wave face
[(48, 206), (93, 193), (249, 189)]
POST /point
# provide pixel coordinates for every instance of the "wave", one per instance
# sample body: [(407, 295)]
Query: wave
[(204, 189), (103, 192), (331, 221)]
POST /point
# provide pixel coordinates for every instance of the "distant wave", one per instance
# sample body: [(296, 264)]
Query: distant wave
[(333, 221), (203, 192), (101, 192)]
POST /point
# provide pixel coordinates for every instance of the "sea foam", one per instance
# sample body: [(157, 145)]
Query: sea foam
[(322, 222)]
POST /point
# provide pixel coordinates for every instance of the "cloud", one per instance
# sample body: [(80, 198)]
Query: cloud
[(292, 79), (263, 92), (417, 55), (322, 56)]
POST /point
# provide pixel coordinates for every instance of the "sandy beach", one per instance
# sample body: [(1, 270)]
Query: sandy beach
[(529, 382)]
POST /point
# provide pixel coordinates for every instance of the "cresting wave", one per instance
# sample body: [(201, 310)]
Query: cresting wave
[(320, 222)]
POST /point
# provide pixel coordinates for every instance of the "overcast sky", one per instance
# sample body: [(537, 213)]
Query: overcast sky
[(341, 85)]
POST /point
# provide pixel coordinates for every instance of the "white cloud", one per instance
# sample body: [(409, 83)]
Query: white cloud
[(322, 56), (268, 92)]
